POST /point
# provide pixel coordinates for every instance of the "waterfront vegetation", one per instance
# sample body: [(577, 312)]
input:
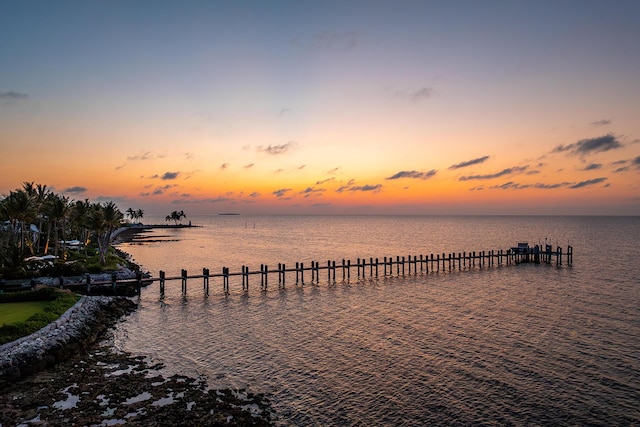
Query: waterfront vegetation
[(44, 233), (24, 313)]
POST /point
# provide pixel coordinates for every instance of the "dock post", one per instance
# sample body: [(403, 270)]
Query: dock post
[(333, 267), (376, 267), (183, 275), (344, 265), (113, 282), (348, 269), (266, 276), (302, 273), (284, 272), (570, 255), (384, 263), (297, 273), (162, 278), (205, 279), (403, 266), (358, 265), (559, 256), (139, 282)]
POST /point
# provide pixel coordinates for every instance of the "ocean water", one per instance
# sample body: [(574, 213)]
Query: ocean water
[(505, 345)]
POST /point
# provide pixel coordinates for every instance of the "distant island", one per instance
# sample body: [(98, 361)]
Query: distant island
[(229, 213)]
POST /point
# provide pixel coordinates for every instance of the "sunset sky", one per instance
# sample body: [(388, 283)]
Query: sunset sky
[(345, 107)]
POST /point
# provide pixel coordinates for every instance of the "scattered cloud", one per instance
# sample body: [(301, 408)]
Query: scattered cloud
[(591, 145), (312, 190), (415, 95), (188, 156), (552, 186), (281, 192), (413, 174), (592, 166), (278, 171), (224, 166), (334, 171), (324, 181), (366, 187), (469, 162), (588, 182), (354, 188), (277, 149), (302, 167), (636, 161), (422, 94), (249, 166), (254, 194), (75, 190), (12, 96), (508, 171), (170, 175), (146, 155), (511, 186), (602, 122), (284, 111)]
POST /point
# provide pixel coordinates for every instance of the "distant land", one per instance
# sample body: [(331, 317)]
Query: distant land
[(229, 213)]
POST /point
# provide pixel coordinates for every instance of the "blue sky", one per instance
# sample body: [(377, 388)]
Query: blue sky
[(240, 99)]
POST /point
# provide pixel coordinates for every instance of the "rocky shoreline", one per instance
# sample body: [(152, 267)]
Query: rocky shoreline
[(61, 376)]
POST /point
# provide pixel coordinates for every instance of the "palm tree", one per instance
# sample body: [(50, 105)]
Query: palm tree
[(80, 221), (58, 208), (175, 216), (131, 213), (104, 219)]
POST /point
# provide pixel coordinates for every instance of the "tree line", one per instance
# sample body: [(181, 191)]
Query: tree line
[(35, 221)]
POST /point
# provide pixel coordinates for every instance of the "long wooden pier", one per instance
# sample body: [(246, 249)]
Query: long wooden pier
[(371, 268), (346, 270)]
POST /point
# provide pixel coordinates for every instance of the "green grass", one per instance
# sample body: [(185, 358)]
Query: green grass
[(25, 319), (16, 312)]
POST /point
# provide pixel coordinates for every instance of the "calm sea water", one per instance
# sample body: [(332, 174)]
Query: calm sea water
[(524, 345)]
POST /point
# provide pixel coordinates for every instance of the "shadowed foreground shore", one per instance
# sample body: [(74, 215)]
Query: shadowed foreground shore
[(95, 385)]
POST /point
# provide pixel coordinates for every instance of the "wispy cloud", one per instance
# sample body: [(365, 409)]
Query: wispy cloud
[(354, 188), (469, 162), (421, 94), (602, 122), (591, 145), (277, 149), (281, 192), (254, 194), (284, 111), (11, 95), (592, 166), (75, 190), (224, 166), (145, 155), (588, 183), (170, 175), (552, 186), (324, 181), (413, 174), (312, 190), (508, 171), (249, 166)]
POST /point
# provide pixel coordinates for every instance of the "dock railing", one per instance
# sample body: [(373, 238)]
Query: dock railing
[(346, 270)]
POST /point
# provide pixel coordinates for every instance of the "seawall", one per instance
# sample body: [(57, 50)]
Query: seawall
[(73, 332)]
